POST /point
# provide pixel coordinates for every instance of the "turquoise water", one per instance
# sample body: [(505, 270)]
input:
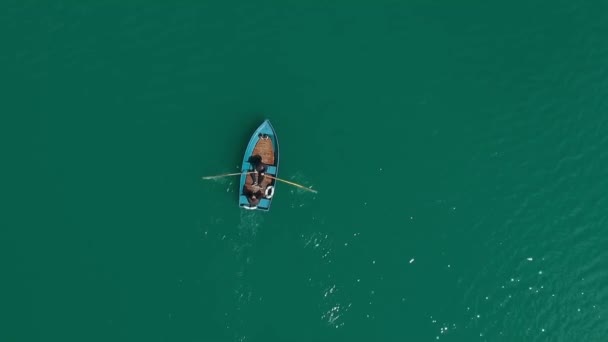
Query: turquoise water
[(458, 151)]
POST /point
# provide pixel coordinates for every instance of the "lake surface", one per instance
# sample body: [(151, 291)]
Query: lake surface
[(459, 150)]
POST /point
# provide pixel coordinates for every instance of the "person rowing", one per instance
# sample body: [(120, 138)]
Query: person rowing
[(259, 169), (254, 197)]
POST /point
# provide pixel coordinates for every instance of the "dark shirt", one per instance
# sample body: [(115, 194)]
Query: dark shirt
[(260, 167)]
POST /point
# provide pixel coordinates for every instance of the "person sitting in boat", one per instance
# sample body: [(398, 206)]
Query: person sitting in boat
[(259, 169), (254, 197), (254, 200)]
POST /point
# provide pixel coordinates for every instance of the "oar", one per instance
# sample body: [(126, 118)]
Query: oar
[(225, 175), (292, 183)]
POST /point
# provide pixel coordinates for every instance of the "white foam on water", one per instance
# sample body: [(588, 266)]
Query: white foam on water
[(243, 240)]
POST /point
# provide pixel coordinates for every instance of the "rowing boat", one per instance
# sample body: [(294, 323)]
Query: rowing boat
[(263, 144)]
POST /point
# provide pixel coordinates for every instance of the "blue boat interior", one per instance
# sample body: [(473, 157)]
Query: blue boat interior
[(264, 129)]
